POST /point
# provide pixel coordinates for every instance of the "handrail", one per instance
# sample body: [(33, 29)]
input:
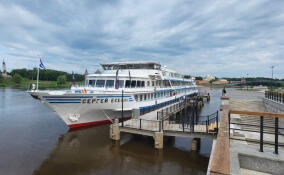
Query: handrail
[(261, 126), (275, 96), (264, 114)]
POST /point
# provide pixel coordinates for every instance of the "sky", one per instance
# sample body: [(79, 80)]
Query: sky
[(225, 38)]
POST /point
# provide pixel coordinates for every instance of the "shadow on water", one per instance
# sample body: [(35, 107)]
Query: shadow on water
[(35, 141)]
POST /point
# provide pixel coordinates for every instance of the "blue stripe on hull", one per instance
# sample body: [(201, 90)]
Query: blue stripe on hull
[(67, 96), (65, 102), (54, 99), (113, 96)]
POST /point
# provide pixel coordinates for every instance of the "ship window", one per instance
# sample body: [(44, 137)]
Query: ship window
[(155, 95), (133, 83), (138, 83), (152, 96), (92, 82), (141, 98), (153, 84), (145, 97), (109, 83), (127, 83), (121, 83), (148, 83), (148, 96), (143, 84), (136, 97), (100, 83)]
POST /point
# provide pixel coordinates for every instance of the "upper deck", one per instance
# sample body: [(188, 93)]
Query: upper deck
[(132, 65)]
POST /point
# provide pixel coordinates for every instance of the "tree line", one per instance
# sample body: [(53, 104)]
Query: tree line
[(46, 75)]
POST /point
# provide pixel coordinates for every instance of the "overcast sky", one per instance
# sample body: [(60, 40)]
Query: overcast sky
[(226, 38)]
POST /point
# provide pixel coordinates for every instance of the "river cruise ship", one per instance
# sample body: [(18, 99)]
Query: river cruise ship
[(123, 87)]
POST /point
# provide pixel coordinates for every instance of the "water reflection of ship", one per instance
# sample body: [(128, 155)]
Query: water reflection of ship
[(90, 151)]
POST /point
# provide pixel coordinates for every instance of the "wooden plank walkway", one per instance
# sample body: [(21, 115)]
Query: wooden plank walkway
[(221, 156)]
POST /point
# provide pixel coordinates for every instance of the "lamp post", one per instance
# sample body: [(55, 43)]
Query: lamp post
[(272, 67), (247, 81)]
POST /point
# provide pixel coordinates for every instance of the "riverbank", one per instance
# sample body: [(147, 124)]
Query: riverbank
[(25, 84)]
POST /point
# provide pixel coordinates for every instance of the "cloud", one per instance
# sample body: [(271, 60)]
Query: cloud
[(224, 38)]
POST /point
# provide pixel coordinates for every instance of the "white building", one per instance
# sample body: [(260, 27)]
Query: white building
[(209, 77)]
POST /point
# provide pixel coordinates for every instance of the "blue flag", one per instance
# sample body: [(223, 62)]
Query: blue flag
[(41, 64)]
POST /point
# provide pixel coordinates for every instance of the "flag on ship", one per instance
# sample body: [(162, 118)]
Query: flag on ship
[(41, 64), (129, 75), (116, 80), (73, 77)]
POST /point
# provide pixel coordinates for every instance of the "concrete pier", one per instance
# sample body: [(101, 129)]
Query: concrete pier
[(114, 131), (195, 144), (159, 140)]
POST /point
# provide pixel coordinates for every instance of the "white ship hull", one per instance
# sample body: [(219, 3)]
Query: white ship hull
[(78, 110)]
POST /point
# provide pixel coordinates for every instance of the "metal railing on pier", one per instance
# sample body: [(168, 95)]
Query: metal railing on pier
[(275, 96), (204, 124), (261, 128)]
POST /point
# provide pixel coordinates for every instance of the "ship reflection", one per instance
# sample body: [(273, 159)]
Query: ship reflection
[(90, 151)]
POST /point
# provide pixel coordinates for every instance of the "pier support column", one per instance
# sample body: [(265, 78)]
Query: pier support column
[(159, 140), (195, 144), (114, 131)]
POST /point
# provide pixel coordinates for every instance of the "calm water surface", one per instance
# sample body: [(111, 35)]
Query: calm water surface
[(33, 140)]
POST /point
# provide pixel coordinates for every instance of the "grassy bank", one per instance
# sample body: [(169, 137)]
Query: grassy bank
[(25, 84)]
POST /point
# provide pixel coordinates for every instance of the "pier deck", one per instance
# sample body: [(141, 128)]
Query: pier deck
[(158, 122)]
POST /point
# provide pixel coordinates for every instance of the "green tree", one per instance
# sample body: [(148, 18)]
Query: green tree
[(1, 78), (198, 78), (61, 79), (17, 78)]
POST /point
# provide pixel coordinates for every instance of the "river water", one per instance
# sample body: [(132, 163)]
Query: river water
[(34, 140)]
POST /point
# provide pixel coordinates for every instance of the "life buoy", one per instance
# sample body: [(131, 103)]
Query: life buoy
[(155, 88), (174, 93), (84, 91)]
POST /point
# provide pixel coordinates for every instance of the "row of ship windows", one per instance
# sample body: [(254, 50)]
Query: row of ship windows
[(121, 84), (133, 83), (151, 96)]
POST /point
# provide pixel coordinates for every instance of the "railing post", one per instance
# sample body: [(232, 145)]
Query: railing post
[(183, 125), (261, 135), (157, 115), (122, 107), (140, 123), (162, 124), (229, 125), (217, 120), (207, 126), (276, 136)]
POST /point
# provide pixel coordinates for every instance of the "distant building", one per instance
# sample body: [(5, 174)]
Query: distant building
[(4, 70), (222, 81), (199, 82), (209, 77)]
